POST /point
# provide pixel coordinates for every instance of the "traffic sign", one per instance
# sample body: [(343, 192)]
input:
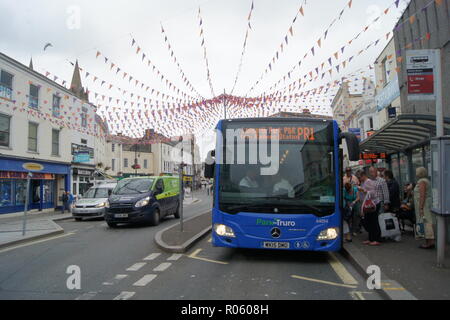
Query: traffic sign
[(421, 73)]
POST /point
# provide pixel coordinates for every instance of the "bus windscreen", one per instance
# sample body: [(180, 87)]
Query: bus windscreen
[(302, 179)]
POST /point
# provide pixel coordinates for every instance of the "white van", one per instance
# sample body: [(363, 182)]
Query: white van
[(94, 201)]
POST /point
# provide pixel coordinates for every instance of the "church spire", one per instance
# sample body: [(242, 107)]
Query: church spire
[(76, 87), (31, 64)]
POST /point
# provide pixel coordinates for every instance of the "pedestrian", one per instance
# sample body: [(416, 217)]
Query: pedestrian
[(422, 205), (351, 198), (71, 200), (65, 201), (349, 177), (394, 191), (376, 199), (407, 211)]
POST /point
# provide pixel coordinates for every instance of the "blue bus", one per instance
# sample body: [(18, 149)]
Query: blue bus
[(277, 183)]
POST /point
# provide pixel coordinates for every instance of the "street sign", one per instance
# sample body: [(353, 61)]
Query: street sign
[(421, 72)]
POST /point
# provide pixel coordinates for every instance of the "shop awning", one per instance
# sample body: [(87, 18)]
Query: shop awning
[(404, 132)]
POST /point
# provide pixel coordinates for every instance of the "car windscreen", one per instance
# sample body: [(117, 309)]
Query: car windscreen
[(95, 193), (133, 186)]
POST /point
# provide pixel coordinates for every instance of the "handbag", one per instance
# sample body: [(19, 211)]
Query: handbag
[(348, 213), (369, 206), (389, 226)]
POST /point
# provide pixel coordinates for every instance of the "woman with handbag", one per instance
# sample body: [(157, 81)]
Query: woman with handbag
[(369, 211), (422, 206)]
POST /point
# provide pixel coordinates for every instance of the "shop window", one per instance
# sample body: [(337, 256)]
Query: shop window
[(48, 191), (32, 136), (125, 163), (5, 127), (6, 195), (21, 191)]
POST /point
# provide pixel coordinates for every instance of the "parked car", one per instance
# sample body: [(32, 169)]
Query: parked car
[(143, 199), (93, 202)]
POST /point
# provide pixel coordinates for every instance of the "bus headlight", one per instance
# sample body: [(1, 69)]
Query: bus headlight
[(328, 234), (224, 231)]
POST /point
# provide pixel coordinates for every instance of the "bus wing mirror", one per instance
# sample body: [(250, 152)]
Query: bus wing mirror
[(352, 145), (210, 164)]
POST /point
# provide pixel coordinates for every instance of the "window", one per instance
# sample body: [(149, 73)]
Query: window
[(125, 163), (84, 117), (113, 164), (32, 136), (55, 142), (5, 127), (145, 163), (6, 85), (371, 123), (113, 147), (56, 106), (33, 101), (6, 195), (83, 141)]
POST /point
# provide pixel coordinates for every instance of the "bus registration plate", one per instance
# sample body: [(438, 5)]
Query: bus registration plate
[(276, 245)]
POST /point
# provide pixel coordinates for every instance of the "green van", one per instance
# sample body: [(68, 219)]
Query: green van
[(143, 199)]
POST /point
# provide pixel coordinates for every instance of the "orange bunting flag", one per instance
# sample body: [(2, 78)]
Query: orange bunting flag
[(386, 11), (336, 55), (350, 4), (412, 19), (319, 42), (301, 11), (438, 2), (98, 53)]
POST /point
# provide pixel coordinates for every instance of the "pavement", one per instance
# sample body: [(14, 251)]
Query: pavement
[(407, 272)]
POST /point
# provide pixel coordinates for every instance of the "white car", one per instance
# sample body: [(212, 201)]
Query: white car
[(93, 203)]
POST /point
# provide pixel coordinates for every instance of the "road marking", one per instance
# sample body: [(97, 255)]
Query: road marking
[(125, 295), (394, 289), (175, 257), (163, 266), (341, 271), (116, 279), (196, 252), (145, 280), (86, 296), (136, 266), (358, 295), (324, 282), (36, 242), (153, 256)]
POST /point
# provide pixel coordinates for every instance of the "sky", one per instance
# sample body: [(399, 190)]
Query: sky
[(78, 29)]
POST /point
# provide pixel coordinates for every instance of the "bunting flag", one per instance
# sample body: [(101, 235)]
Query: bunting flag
[(205, 56), (180, 70), (319, 42), (249, 28)]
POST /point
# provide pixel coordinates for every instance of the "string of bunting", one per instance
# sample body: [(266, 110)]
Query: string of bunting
[(175, 60), (205, 56)]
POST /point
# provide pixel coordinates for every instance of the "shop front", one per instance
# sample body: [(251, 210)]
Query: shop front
[(82, 179), (46, 186)]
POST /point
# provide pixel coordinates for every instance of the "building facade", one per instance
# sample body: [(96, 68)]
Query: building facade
[(33, 128)]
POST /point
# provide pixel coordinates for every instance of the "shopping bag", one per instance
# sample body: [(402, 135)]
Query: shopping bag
[(389, 226), (419, 229)]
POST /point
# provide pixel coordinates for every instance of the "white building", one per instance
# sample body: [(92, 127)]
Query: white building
[(36, 121)]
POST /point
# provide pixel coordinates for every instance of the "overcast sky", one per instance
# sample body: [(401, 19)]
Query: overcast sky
[(109, 25)]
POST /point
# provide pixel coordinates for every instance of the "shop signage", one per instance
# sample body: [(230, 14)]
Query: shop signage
[(421, 72), (30, 166), (81, 157), (373, 156), (392, 112), (390, 92), (24, 175)]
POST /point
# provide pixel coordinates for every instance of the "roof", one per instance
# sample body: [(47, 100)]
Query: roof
[(404, 132)]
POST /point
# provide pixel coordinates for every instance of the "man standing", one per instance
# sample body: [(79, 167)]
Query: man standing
[(349, 177), (65, 201)]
